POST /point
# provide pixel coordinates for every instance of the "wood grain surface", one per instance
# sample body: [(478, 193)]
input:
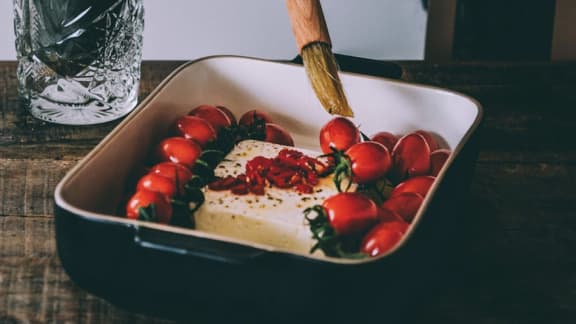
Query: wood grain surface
[(523, 197)]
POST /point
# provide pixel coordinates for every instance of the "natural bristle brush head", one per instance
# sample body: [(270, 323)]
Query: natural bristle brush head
[(322, 71)]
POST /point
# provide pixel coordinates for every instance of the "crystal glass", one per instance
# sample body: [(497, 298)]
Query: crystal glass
[(79, 60)]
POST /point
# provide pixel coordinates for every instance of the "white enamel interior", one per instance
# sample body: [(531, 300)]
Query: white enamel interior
[(95, 186)]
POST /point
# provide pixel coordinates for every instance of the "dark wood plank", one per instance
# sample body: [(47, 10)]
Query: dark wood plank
[(71, 150), (27, 186), (525, 104), (529, 235), (34, 287), (490, 73)]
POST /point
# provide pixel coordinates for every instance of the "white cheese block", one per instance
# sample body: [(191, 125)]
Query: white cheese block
[(275, 218)]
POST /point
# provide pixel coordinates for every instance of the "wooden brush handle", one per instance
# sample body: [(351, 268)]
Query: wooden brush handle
[(308, 24)]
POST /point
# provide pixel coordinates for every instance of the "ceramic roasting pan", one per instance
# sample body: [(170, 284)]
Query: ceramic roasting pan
[(170, 270)]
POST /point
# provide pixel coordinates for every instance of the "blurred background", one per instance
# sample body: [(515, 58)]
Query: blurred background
[(434, 30), (188, 29)]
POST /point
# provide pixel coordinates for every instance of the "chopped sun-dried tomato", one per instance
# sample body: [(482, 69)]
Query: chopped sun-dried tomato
[(289, 169), (240, 189), (304, 188), (257, 189), (223, 183)]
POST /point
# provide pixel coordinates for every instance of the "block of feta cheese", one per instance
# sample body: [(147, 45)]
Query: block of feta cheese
[(275, 219)]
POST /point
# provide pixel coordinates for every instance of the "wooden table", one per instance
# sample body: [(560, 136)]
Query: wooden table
[(523, 196)]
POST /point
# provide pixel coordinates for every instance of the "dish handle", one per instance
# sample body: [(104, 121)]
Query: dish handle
[(378, 68), (175, 243)]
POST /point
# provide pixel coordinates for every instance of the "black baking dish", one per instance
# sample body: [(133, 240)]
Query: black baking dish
[(169, 270)]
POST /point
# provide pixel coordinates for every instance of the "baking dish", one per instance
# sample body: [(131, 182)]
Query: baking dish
[(136, 263)]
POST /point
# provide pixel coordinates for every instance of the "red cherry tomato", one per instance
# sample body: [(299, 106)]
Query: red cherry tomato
[(339, 133), (179, 150), (383, 237), (350, 213), (157, 183), (228, 113), (216, 117), (419, 185), (178, 173), (146, 198), (405, 204), (386, 138), (195, 128), (278, 135), (437, 160), (370, 161), (430, 139), (411, 157), (387, 215), (249, 117)]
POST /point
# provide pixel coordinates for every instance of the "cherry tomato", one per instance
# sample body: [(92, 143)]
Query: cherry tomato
[(430, 139), (178, 173), (179, 150), (385, 138), (228, 113), (196, 128), (419, 185), (216, 117), (437, 160), (370, 161), (146, 198), (350, 212), (383, 237), (249, 117), (411, 157), (405, 204), (339, 133), (387, 215), (157, 183), (278, 135)]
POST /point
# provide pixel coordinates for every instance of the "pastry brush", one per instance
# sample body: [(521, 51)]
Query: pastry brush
[(315, 48)]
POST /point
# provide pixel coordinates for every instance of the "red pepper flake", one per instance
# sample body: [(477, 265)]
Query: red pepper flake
[(289, 169)]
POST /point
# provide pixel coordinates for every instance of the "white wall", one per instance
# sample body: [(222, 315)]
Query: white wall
[(187, 29)]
